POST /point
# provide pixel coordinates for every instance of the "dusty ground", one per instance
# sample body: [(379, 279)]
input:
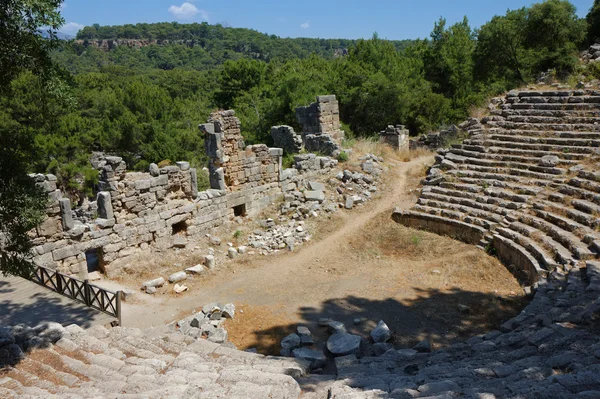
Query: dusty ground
[(360, 265)]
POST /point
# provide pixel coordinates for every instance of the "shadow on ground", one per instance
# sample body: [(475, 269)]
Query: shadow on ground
[(25, 302), (442, 318)]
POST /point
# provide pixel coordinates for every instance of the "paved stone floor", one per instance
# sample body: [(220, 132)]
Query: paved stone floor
[(22, 301)]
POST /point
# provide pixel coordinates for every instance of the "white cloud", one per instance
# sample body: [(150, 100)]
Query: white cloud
[(187, 11), (305, 25), (71, 28)]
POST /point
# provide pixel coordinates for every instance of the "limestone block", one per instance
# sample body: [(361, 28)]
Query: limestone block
[(194, 183)]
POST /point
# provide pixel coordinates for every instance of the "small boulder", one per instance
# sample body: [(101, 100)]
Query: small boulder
[(154, 170), (151, 290), (382, 347), (381, 333), (210, 308), (549, 161), (344, 344), (232, 253), (423, 347), (317, 359), (214, 240), (291, 342)]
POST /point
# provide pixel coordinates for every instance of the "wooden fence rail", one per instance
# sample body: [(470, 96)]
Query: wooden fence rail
[(91, 295)]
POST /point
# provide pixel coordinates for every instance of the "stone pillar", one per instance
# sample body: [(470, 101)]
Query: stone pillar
[(65, 213), (397, 137), (105, 209)]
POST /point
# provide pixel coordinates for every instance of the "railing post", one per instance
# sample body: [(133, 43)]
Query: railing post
[(118, 295), (59, 282), (86, 292)]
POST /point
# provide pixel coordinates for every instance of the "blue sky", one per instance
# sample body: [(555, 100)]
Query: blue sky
[(349, 19)]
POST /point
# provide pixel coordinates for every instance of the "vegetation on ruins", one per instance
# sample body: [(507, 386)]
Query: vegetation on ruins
[(24, 55)]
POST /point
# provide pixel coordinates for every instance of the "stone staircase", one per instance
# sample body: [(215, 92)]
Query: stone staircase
[(525, 184), (154, 363)]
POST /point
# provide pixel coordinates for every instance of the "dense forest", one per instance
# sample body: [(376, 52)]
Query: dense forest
[(145, 103)]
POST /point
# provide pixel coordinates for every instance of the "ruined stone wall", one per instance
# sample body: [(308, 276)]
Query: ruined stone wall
[(396, 137), (138, 212), (321, 125), (233, 166)]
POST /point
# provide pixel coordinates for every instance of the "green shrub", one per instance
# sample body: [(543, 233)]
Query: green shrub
[(343, 156)]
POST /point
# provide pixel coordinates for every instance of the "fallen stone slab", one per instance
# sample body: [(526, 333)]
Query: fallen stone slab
[(314, 196), (180, 288), (198, 269), (316, 186), (210, 308), (381, 333), (232, 253), (177, 277), (344, 344), (317, 359)]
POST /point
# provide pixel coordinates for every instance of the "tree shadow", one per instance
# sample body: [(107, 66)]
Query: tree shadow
[(442, 317)]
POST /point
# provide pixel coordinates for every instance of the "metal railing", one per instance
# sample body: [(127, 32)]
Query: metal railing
[(82, 291)]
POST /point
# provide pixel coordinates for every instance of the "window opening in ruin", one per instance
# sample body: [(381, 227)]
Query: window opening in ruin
[(179, 228), (93, 258), (239, 210)]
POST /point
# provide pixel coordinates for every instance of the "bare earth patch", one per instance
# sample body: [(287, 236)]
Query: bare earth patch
[(360, 265)]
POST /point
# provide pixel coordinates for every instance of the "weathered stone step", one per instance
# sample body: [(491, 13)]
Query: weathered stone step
[(593, 143), (494, 156), (551, 93), (562, 254), (463, 231), (490, 209), (541, 255), (553, 106), (581, 222), (490, 163), (561, 235), (574, 191), (506, 171), (583, 99), (473, 212), (525, 266), (587, 207), (551, 149), (593, 112), (544, 133), (471, 176), (569, 120), (521, 187), (536, 154)]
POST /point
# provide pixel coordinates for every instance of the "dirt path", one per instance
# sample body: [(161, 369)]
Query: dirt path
[(340, 276)]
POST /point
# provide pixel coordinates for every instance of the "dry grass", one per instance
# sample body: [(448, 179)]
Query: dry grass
[(408, 156), (260, 327)]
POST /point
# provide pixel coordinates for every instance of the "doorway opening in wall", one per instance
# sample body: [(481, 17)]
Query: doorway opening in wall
[(179, 228), (93, 258), (239, 210)]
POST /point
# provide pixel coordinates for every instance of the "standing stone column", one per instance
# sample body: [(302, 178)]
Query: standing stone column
[(105, 209), (65, 213)]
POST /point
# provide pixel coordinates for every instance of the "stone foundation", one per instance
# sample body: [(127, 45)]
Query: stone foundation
[(321, 125)]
